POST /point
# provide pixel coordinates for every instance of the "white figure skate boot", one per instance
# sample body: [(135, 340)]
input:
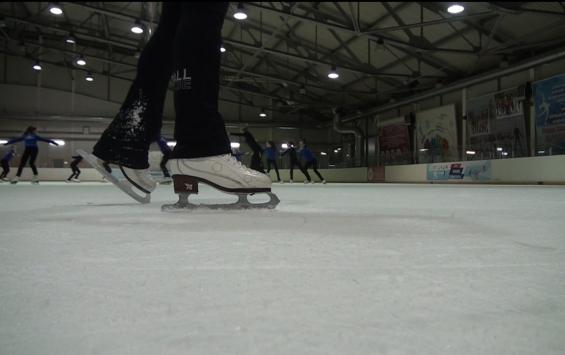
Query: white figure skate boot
[(224, 173), (137, 183)]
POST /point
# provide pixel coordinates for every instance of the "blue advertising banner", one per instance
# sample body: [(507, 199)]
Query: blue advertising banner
[(549, 98), (479, 170)]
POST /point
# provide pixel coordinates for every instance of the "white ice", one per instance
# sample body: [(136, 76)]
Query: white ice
[(335, 269)]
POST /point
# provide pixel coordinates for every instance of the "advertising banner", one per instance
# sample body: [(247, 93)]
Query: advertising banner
[(394, 144), (549, 96), (496, 124), (479, 170), (436, 135)]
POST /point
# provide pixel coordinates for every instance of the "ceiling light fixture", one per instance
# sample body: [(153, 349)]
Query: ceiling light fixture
[(240, 13), (333, 73), (455, 9), (37, 66), (55, 9), (137, 28)]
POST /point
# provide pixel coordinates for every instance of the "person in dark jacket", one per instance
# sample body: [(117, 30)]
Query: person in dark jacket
[(74, 167), (291, 151), (257, 157), (6, 163), (309, 159), (271, 154), (30, 139)]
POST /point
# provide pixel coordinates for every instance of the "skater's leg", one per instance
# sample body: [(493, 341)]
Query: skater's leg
[(276, 170), (77, 172), (163, 165), (33, 156), (202, 153), (315, 167), (5, 169), (23, 161), (304, 170), (199, 127), (269, 165), (291, 171), (126, 141)]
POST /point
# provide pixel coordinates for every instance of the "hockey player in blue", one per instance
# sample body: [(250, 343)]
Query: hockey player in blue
[(6, 164), (309, 159), (30, 139), (271, 154)]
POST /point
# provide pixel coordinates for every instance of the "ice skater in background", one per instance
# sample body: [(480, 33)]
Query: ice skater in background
[(293, 157), (74, 167), (30, 138), (271, 153), (257, 157), (162, 142), (309, 160), (6, 164)]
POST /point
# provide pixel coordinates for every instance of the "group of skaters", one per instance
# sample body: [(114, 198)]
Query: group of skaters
[(271, 153), (31, 151)]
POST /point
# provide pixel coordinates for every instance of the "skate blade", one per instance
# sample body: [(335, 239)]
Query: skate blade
[(123, 185), (242, 203)]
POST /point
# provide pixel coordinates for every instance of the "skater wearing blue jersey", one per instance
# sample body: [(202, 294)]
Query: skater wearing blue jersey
[(271, 154), (293, 157), (30, 139), (309, 159)]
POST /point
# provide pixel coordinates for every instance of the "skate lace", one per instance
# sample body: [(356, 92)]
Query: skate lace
[(237, 164)]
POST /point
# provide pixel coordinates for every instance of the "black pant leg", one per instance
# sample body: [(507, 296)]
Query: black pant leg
[(305, 171), (33, 156), (269, 165), (163, 165), (23, 161), (199, 128), (5, 169), (276, 169), (291, 170), (127, 139), (315, 167)]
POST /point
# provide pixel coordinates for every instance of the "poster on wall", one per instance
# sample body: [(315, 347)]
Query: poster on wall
[(549, 96), (502, 114), (394, 144), (479, 170), (436, 133), (509, 103), (478, 116)]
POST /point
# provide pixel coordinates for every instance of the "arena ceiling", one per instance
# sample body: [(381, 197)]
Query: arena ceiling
[(280, 56)]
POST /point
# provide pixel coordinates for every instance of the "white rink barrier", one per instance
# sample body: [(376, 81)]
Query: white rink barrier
[(534, 170)]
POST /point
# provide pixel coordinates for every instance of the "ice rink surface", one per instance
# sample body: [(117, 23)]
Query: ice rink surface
[(336, 269)]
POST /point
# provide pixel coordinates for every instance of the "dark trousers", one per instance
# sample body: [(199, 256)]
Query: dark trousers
[(297, 164), (5, 169), (257, 162), (186, 47), (76, 172), (31, 154), (163, 164), (274, 164), (314, 165)]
